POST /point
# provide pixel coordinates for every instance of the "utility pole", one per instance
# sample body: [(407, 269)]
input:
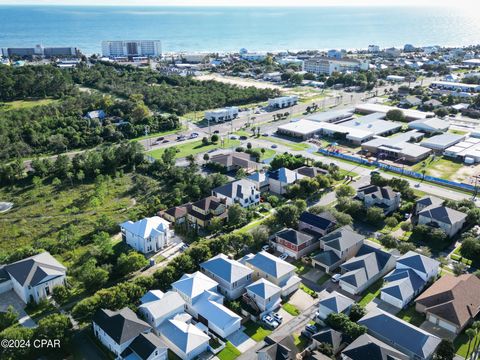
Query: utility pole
[(147, 129)]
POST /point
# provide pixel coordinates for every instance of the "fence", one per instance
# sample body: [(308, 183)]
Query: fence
[(400, 170)]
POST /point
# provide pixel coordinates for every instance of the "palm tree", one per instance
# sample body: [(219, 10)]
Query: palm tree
[(476, 326), (471, 334)]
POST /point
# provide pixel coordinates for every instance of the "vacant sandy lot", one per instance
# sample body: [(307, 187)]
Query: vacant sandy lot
[(239, 81)]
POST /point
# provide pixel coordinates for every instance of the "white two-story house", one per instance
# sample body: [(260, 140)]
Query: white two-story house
[(269, 267), (232, 276), (147, 235), (382, 197), (243, 192), (33, 278)]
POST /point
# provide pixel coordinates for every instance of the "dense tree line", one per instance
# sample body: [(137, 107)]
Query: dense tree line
[(62, 126), (173, 94), (19, 83)]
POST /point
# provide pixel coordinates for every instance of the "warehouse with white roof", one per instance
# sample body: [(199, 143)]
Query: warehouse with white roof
[(442, 142), (467, 150), (410, 114)]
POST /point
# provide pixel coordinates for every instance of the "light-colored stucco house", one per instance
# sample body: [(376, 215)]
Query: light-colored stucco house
[(334, 303), (411, 275), (157, 311), (243, 192), (265, 294), (186, 340), (205, 304), (232, 276), (451, 302), (383, 197), (273, 269), (438, 216), (368, 266), (33, 278), (280, 179), (147, 235), (338, 246)]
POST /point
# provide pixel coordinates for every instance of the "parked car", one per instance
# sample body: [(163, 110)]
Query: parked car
[(306, 334), (283, 256), (264, 134), (165, 141), (233, 137), (266, 247), (160, 138), (270, 321), (335, 278), (243, 137), (216, 132), (311, 328), (274, 146), (277, 317)]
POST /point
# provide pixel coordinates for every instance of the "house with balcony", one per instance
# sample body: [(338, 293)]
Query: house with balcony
[(382, 197), (147, 235), (294, 243), (202, 212), (338, 246), (232, 276), (241, 192), (265, 294)]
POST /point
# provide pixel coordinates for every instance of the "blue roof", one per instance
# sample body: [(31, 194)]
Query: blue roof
[(403, 283), (321, 221), (400, 333)]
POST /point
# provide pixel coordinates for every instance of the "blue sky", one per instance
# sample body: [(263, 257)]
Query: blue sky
[(467, 4)]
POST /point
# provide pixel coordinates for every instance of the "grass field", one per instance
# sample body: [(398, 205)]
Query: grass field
[(25, 104), (269, 153), (294, 146), (439, 167), (461, 343), (230, 352), (194, 148), (256, 331), (45, 212)]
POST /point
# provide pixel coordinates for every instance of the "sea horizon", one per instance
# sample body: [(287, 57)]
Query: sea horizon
[(229, 28)]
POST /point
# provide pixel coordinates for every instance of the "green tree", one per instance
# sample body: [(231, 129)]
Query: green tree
[(471, 335), (60, 294), (55, 326), (16, 333), (357, 311), (237, 215), (128, 263), (344, 191), (375, 215), (8, 318), (391, 221), (91, 276), (215, 138), (445, 350), (395, 115)]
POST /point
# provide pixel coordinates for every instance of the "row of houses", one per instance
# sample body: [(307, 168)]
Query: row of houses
[(187, 318)]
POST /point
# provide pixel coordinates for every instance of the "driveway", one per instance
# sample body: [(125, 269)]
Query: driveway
[(301, 300), (10, 298), (382, 305), (437, 330), (241, 340)]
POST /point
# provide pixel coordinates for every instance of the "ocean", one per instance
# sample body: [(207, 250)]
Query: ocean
[(225, 29)]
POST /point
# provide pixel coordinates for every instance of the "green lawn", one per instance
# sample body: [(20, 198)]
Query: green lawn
[(411, 316), (25, 104), (302, 268), (461, 343), (194, 147), (439, 167), (300, 342), (291, 309), (162, 133), (256, 331), (294, 146), (229, 353), (371, 293), (269, 153)]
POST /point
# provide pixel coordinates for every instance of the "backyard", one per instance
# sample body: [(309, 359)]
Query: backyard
[(256, 331), (230, 352), (371, 293)]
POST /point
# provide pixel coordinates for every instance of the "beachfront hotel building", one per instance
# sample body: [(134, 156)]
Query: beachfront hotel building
[(130, 48), (40, 51), (327, 66)]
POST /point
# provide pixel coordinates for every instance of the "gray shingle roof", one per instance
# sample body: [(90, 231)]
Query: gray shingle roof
[(327, 258), (121, 325), (443, 214), (343, 238), (419, 262), (145, 344), (400, 333), (368, 347), (35, 269), (294, 236), (236, 189)]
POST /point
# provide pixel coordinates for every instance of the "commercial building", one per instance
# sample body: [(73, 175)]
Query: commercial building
[(131, 48), (224, 114), (395, 78), (41, 51), (442, 142), (283, 102), (332, 116), (327, 66), (398, 147), (453, 86), (410, 114), (467, 150), (430, 125)]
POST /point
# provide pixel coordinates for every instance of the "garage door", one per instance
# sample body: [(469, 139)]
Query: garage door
[(320, 267), (446, 326)]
